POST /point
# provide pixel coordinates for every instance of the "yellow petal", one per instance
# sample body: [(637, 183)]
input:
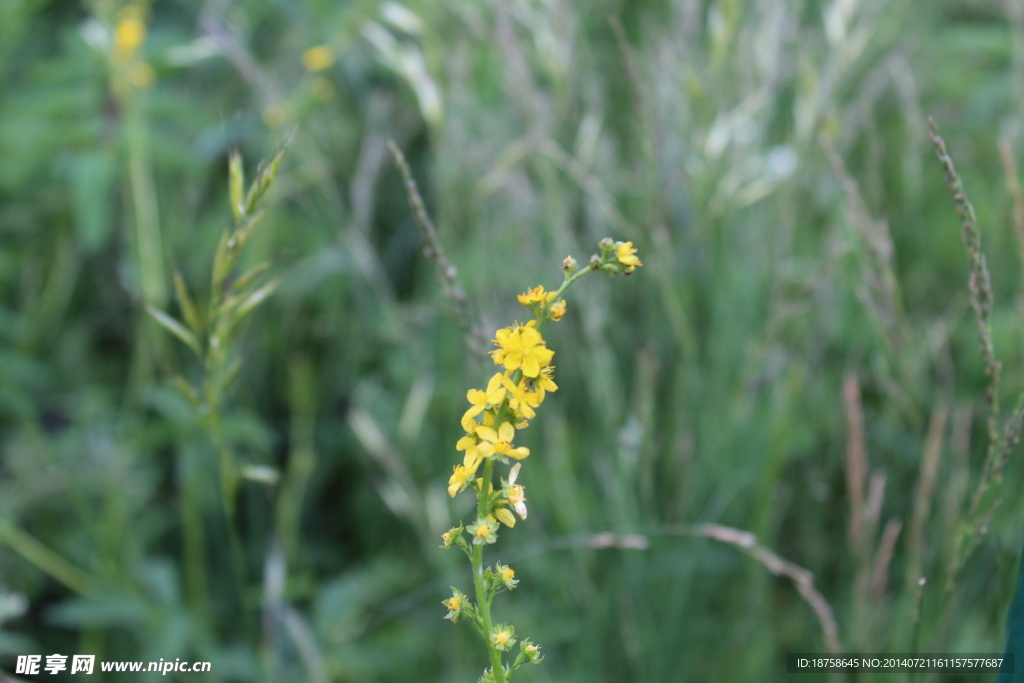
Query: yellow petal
[(506, 432), (505, 517), (486, 433)]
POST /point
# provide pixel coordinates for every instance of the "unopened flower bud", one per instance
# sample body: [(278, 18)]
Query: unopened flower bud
[(595, 261), (569, 265), (607, 244)]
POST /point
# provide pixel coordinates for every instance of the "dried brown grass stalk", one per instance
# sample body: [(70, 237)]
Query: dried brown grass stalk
[(923, 493), (1001, 440), (856, 461)]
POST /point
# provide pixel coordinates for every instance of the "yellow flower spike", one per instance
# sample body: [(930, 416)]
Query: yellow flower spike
[(481, 400), (625, 252), (318, 58), (500, 441)]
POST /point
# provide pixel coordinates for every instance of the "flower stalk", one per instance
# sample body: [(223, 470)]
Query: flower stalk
[(496, 413)]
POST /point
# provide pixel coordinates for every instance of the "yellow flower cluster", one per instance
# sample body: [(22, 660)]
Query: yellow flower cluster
[(129, 35), (508, 402)]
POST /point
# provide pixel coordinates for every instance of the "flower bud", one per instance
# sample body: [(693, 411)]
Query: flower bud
[(531, 651), (607, 244), (595, 261), (569, 265), (452, 537)]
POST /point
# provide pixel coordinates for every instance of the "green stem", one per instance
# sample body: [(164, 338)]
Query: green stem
[(483, 603), (45, 559), (566, 283)]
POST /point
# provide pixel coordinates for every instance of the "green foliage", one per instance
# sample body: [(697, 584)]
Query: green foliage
[(797, 356)]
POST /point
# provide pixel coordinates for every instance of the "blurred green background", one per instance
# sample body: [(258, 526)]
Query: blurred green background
[(797, 353)]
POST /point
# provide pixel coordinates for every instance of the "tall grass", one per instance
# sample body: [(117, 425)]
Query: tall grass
[(798, 365)]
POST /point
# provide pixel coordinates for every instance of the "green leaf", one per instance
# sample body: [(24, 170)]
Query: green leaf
[(175, 328), (188, 307)]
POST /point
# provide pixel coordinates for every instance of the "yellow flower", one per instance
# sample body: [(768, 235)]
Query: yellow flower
[(556, 311), (507, 574), (521, 347), (625, 252), (457, 482), (531, 651), (455, 605), (521, 399), (535, 295), (503, 637), (481, 400), (499, 442), (129, 34), (471, 445), (545, 383), (317, 58), (484, 531)]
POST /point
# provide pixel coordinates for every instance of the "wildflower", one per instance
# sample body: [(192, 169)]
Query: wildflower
[(544, 382), (532, 296), (503, 637), (499, 442), (521, 399), (625, 252), (557, 310), (461, 474), (129, 33), (317, 58), (531, 651), (507, 576), (455, 604), (516, 493), (450, 537), (484, 531), (481, 400), (521, 347), (475, 451)]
